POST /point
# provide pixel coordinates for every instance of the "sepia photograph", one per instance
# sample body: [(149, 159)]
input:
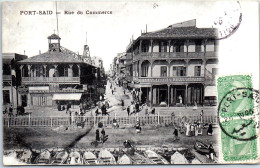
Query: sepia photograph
[(130, 82)]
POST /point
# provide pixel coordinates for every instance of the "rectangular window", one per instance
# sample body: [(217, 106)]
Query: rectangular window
[(197, 71), (163, 71), (6, 96), (38, 73), (163, 47), (179, 71), (198, 46), (214, 72), (66, 71), (179, 47)]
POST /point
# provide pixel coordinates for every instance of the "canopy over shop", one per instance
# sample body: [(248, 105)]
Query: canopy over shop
[(68, 98)]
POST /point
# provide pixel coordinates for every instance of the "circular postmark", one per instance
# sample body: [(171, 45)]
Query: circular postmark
[(228, 20), (237, 111)]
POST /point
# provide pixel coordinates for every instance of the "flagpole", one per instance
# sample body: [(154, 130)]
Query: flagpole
[(57, 20)]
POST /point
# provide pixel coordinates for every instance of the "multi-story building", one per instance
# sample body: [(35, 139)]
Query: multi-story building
[(11, 78), (175, 66), (123, 69), (56, 76)]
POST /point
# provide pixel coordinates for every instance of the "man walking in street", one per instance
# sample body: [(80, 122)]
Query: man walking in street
[(201, 116), (128, 110), (97, 135), (137, 106), (96, 112), (11, 110), (103, 134)]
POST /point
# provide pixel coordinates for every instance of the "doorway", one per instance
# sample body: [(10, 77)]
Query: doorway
[(24, 100), (180, 96)]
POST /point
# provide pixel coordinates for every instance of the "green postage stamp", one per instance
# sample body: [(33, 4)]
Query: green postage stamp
[(238, 118)]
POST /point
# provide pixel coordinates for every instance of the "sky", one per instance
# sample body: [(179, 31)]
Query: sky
[(110, 34)]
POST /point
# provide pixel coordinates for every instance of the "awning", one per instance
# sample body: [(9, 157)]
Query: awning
[(67, 96), (211, 91)]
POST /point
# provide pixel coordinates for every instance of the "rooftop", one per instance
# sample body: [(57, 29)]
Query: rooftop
[(54, 36), (53, 57), (182, 30)]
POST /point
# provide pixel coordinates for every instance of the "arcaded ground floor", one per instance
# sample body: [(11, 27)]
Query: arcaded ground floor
[(174, 95)]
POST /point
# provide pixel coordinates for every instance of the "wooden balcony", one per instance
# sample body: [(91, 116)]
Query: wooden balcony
[(169, 80), (33, 80), (174, 55)]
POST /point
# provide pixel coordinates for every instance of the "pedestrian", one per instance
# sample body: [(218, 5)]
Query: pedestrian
[(138, 127), (131, 108), (107, 104), (146, 109), (70, 116), (122, 103), (195, 107), (59, 107), (11, 110), (96, 112), (192, 130), (196, 127), (210, 129), (201, 116), (124, 91), (212, 152), (5, 111), (137, 107), (199, 129), (103, 109), (128, 110), (97, 135), (115, 124), (153, 111), (112, 91), (68, 107), (175, 133), (103, 134), (187, 129)]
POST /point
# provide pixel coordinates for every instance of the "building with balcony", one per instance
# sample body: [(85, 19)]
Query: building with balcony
[(11, 78), (56, 76), (175, 66)]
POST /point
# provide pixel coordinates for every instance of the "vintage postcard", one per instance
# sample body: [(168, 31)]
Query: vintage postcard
[(130, 82)]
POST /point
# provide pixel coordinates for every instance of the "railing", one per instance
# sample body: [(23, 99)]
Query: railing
[(7, 77), (181, 55), (27, 121), (50, 79), (169, 79)]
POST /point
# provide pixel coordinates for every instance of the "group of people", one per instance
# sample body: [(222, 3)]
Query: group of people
[(133, 108), (103, 106), (193, 129), (9, 110), (103, 136)]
